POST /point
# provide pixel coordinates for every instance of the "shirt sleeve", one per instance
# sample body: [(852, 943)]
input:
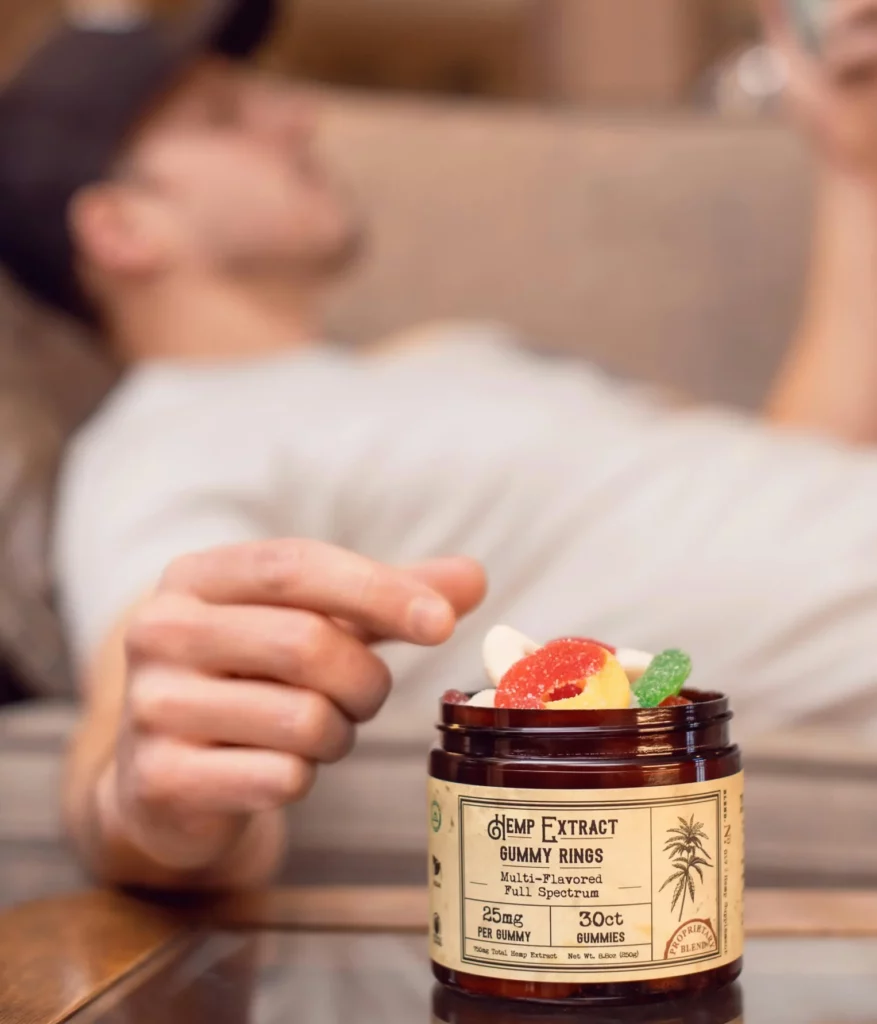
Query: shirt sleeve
[(132, 499), (753, 548)]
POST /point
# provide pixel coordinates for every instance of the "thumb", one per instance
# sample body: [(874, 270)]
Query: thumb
[(807, 87), (775, 18)]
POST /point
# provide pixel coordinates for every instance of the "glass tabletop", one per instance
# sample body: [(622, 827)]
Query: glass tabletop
[(324, 978)]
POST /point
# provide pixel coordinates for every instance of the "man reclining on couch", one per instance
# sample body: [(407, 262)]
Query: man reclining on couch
[(174, 198)]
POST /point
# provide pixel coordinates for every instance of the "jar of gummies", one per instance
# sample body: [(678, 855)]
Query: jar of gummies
[(585, 829)]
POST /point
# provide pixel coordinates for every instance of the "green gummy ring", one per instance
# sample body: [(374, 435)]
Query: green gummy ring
[(664, 678)]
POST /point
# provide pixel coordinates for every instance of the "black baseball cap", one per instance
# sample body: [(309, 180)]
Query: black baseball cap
[(67, 111)]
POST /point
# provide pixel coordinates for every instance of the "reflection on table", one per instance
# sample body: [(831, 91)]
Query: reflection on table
[(324, 978), (724, 1006)]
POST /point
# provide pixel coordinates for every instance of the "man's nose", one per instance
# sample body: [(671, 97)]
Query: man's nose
[(289, 116)]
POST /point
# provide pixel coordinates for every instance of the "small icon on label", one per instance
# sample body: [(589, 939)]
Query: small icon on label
[(436, 868), (437, 928), (436, 816)]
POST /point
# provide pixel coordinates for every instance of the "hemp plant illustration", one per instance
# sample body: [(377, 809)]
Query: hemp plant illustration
[(687, 853)]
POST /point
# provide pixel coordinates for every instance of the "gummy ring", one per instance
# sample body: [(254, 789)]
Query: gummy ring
[(583, 640), (565, 674)]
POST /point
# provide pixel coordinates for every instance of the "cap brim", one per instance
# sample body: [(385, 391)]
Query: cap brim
[(233, 28), (65, 115)]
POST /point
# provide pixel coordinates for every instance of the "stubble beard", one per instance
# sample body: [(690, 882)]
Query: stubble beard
[(308, 267)]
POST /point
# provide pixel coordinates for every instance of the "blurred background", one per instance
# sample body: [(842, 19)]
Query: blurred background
[(581, 53), (664, 110), (609, 176)]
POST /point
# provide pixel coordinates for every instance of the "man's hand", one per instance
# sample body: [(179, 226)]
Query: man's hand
[(828, 382), (833, 94), (247, 669)]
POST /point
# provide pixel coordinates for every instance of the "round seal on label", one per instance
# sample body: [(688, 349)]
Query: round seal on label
[(694, 938)]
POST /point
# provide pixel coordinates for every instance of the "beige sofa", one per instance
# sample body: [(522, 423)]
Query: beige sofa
[(672, 250)]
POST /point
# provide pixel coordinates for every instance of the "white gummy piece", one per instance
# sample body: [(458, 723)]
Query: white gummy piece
[(503, 647), (633, 662), (485, 699)]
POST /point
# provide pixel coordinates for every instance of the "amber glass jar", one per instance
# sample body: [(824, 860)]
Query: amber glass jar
[(723, 1006), (590, 856)]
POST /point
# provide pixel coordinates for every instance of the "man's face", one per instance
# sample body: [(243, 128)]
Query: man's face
[(228, 160)]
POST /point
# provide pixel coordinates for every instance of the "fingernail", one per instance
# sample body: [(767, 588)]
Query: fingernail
[(429, 619)]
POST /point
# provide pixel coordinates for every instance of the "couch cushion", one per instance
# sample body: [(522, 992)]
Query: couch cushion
[(51, 378), (672, 249), (51, 360), (30, 634)]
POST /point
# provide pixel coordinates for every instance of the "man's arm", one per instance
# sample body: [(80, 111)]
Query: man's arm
[(828, 382), (212, 703)]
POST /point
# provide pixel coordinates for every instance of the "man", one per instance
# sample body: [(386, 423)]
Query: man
[(171, 196)]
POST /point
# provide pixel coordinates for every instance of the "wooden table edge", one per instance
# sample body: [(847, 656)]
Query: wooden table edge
[(58, 955)]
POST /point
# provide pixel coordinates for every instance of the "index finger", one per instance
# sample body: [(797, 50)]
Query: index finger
[(783, 33), (318, 577)]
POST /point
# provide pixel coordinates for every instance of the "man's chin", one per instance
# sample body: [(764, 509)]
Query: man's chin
[(339, 257), (316, 263)]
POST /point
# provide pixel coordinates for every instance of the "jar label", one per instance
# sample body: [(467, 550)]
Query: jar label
[(586, 885)]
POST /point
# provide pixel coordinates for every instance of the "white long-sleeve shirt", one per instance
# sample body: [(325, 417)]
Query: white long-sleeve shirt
[(595, 509)]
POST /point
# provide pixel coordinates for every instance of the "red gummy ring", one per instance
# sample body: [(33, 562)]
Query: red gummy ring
[(583, 640), (556, 671)]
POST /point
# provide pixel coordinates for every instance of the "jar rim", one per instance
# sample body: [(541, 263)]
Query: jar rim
[(707, 708)]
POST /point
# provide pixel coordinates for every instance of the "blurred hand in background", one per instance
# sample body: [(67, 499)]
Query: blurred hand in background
[(828, 382), (833, 91)]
